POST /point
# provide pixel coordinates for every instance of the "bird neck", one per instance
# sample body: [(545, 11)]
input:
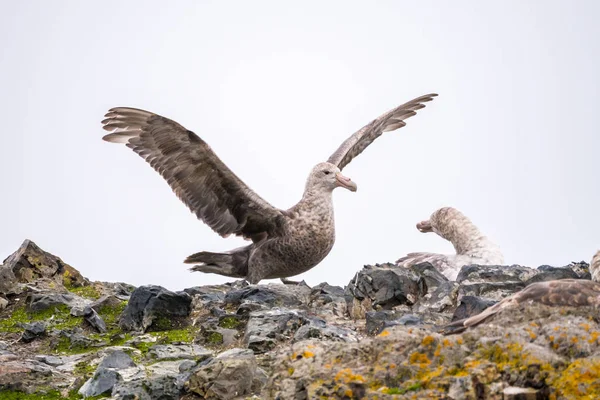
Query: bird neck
[(466, 238)]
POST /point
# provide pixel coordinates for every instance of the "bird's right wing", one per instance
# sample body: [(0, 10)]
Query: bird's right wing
[(195, 173)]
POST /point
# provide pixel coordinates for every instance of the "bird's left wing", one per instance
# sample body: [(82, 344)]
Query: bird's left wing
[(389, 121)]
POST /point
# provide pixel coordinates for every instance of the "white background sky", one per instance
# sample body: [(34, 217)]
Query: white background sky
[(512, 140)]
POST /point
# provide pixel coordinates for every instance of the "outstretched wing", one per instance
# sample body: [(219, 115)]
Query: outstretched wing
[(440, 262), (195, 173), (389, 121)]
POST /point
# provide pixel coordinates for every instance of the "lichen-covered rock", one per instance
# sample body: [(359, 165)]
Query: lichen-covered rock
[(378, 338), (229, 375), (156, 307), (266, 328), (383, 287), (494, 273), (168, 352), (30, 263)]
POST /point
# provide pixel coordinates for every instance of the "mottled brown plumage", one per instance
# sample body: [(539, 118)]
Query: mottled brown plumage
[(285, 242), (565, 292)]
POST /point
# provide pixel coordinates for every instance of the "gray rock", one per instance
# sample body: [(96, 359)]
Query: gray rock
[(207, 295), (161, 352), (387, 286), (265, 328), (3, 302), (95, 320), (117, 359), (102, 382), (33, 331), (494, 273), (441, 299), (50, 360), (317, 328), (43, 301), (272, 295), (150, 306), (8, 281), (229, 375), (471, 305)]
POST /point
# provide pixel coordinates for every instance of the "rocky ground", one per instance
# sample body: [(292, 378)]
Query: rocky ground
[(62, 336)]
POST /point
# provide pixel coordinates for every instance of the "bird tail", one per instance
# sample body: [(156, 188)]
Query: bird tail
[(233, 263)]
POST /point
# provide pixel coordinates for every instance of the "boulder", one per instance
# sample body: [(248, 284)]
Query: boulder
[(155, 307)]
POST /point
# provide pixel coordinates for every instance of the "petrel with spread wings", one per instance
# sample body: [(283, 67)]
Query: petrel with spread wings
[(284, 242)]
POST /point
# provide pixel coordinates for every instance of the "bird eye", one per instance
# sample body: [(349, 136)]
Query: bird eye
[(326, 172)]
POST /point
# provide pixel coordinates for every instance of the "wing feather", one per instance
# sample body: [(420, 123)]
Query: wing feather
[(389, 121), (195, 173)]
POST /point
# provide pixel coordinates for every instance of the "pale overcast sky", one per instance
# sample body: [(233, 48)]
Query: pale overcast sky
[(274, 87)]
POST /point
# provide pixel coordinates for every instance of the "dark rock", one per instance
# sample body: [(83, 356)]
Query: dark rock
[(377, 321), (387, 286), (117, 359), (494, 273), (229, 375), (95, 320), (325, 289), (493, 290), (471, 305), (432, 277), (155, 307), (102, 382), (548, 273), (33, 331), (265, 328), (581, 268)]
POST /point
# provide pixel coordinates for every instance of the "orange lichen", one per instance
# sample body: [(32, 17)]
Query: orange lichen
[(594, 337), (346, 376), (585, 326), (308, 354), (427, 340), (419, 358), (384, 334)]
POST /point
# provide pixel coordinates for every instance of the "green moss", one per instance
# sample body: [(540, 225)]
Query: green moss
[(111, 315), (84, 368), (144, 346), (229, 322), (411, 388), (214, 338), (161, 323), (58, 317), (49, 395), (88, 292)]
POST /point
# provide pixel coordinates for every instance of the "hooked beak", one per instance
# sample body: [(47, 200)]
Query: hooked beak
[(424, 226), (345, 182)]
